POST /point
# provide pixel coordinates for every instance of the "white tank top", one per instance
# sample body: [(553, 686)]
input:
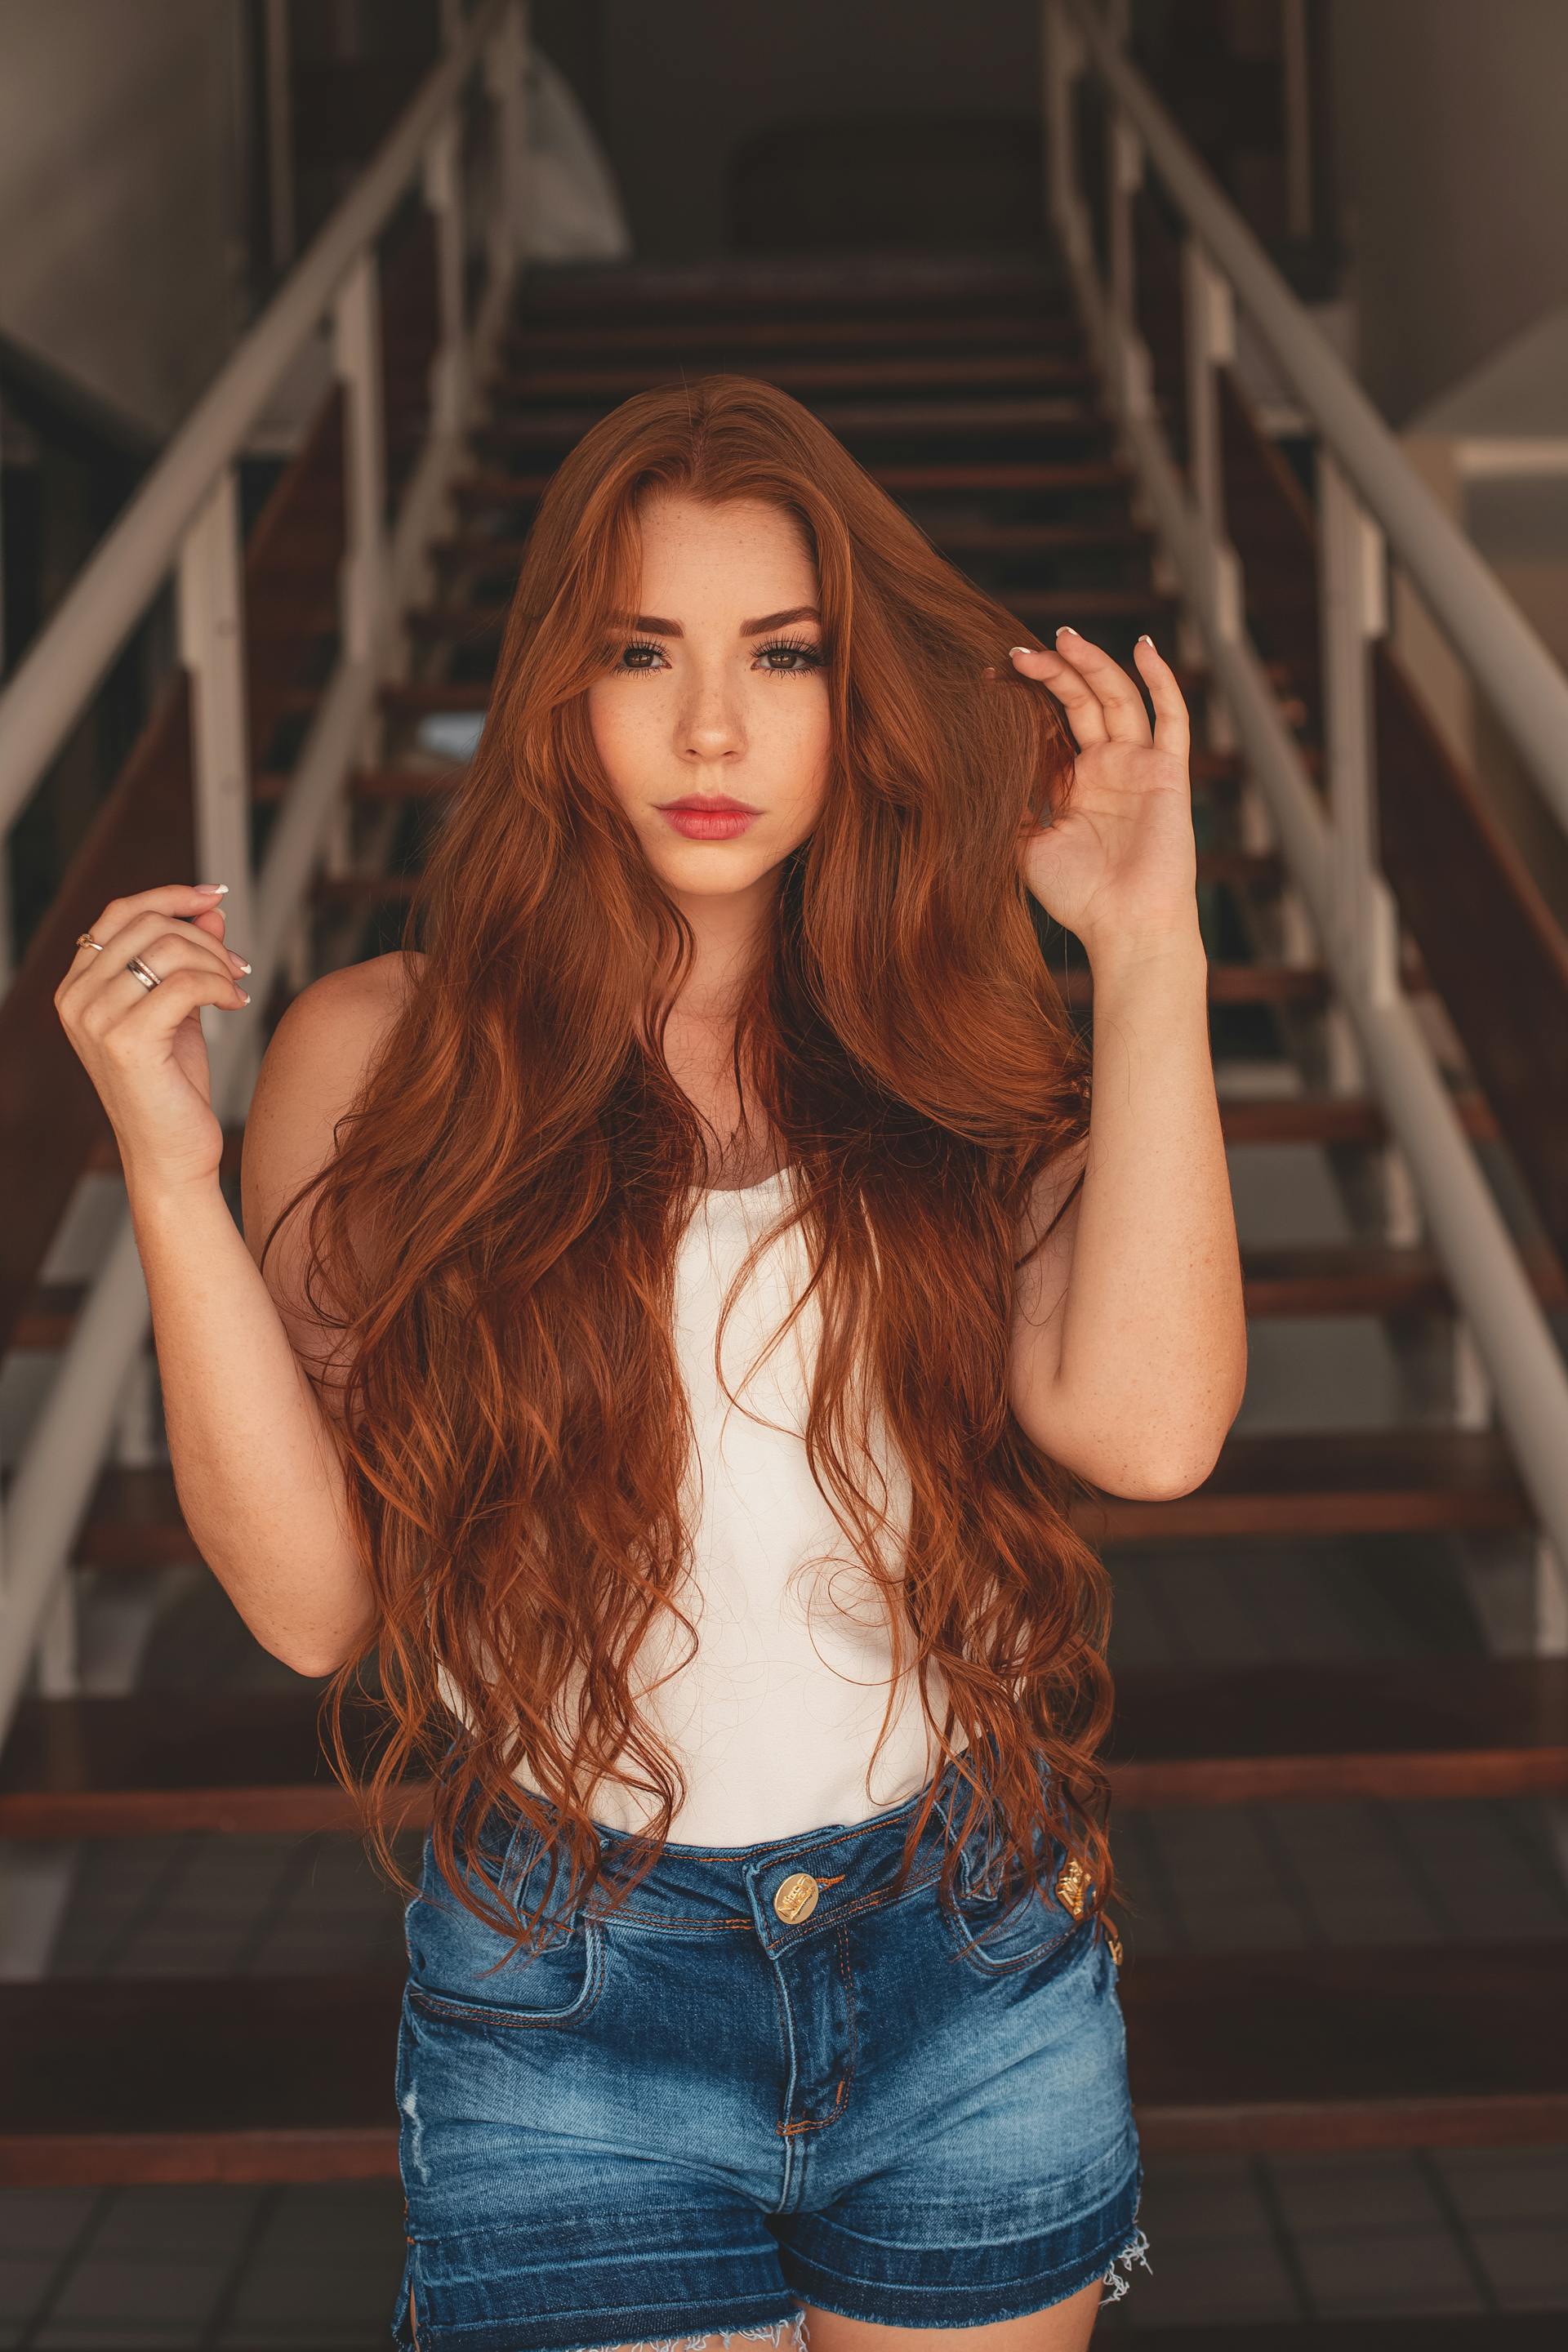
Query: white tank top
[(774, 1718)]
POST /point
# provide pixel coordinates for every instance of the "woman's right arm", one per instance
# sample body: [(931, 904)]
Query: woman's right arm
[(256, 1468)]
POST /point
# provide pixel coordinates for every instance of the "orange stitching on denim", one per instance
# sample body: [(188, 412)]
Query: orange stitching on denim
[(841, 2096), (817, 2123)]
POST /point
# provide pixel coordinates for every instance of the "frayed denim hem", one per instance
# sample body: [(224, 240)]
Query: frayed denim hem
[(769, 2331), (1136, 2249)]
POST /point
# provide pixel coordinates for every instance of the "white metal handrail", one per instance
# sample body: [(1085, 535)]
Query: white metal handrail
[(1488, 631), (185, 520), (1372, 503)]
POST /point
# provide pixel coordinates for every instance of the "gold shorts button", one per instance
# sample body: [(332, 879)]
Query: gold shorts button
[(796, 1898)]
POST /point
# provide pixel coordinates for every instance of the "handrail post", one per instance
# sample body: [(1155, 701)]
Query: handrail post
[(506, 68), (1209, 338), (1124, 177), (363, 583), (1352, 613), (1061, 62), (444, 196), (210, 600), (356, 357)]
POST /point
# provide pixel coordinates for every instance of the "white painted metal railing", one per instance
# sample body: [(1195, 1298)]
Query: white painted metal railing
[(1372, 507), (186, 520)]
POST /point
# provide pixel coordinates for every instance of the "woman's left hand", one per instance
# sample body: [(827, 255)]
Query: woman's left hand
[(1119, 866)]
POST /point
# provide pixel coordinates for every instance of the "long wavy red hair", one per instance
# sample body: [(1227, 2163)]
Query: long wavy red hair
[(494, 1237)]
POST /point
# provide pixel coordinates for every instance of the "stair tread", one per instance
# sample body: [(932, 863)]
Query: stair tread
[(1290, 1729), (267, 2078), (491, 486), (566, 381), (1323, 2049), (1298, 1279), (956, 414), (1362, 1479), (1490, 2331), (239, 1761)]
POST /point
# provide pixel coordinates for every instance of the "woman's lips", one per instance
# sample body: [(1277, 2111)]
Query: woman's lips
[(715, 820)]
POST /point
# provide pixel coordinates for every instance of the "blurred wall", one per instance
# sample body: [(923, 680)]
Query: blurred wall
[(118, 151), (1448, 127), (673, 91)]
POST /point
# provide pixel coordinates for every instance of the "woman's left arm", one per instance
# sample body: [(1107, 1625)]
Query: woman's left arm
[(1129, 1344)]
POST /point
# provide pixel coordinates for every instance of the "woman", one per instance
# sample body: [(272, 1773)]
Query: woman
[(719, 1279)]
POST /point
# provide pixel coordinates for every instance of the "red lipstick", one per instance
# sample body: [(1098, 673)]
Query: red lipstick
[(708, 816)]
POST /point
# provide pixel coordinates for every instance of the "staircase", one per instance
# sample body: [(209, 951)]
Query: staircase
[(971, 393)]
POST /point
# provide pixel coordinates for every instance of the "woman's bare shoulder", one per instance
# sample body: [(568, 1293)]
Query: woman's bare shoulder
[(315, 1060)]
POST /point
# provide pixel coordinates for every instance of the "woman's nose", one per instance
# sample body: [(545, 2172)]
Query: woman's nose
[(710, 724)]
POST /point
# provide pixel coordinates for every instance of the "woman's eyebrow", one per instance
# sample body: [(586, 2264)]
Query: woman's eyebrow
[(661, 628)]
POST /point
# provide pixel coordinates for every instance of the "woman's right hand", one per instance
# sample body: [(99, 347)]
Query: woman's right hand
[(142, 1047)]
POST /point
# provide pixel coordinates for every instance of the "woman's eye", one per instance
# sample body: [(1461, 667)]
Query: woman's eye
[(631, 654), (801, 656)]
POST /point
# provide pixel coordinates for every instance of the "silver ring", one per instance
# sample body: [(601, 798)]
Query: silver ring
[(143, 971)]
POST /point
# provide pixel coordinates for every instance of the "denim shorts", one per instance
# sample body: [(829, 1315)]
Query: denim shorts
[(697, 2114)]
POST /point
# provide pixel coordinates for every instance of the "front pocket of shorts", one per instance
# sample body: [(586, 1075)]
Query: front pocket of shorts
[(460, 1967), (996, 1941)]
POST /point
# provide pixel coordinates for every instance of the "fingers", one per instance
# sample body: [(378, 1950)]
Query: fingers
[(140, 925), (1086, 712), (123, 1025), (165, 950), (1102, 703), (178, 899), (1173, 728)]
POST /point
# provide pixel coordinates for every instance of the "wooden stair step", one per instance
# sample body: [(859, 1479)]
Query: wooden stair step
[(1324, 1118), (730, 343), (969, 370), (855, 422), (1368, 1278), (1490, 2331), (485, 489), (1439, 2045), (1399, 1729), (1339, 1482), (116, 2079), (1329, 1483), (736, 287), (1300, 1279), (252, 1763), (167, 1764), (106, 2080)]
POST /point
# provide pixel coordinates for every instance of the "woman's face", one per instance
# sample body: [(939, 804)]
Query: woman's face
[(717, 695)]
